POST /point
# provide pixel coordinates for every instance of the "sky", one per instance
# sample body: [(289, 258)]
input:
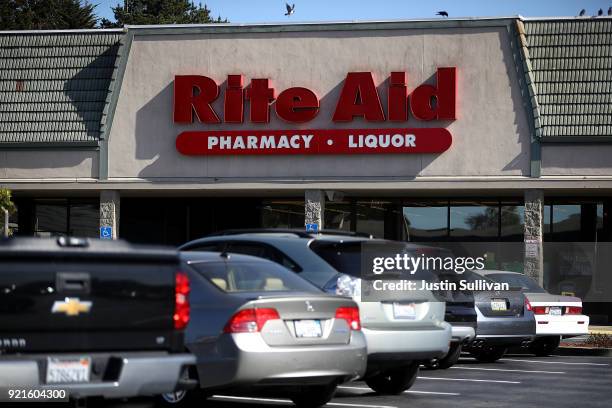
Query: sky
[(257, 11)]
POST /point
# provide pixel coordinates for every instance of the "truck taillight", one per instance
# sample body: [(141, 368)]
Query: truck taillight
[(250, 320), (573, 310), (528, 305), (351, 315), (181, 300), (540, 310)]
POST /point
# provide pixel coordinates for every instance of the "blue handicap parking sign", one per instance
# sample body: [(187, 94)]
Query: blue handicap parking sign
[(312, 227), (106, 232)]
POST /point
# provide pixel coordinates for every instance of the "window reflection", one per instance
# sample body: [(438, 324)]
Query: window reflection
[(425, 223), (338, 216), (474, 221), (512, 222), (282, 214), (376, 217)]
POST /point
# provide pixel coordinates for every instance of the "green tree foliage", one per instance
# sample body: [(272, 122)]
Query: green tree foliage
[(145, 12), (46, 14), (6, 202)]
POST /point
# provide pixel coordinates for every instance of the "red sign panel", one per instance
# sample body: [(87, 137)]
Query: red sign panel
[(314, 141)]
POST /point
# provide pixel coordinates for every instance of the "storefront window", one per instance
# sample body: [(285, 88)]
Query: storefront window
[(377, 217), (426, 222), (474, 221), (512, 222), (66, 217), (282, 214), (566, 222), (338, 216), (51, 218)]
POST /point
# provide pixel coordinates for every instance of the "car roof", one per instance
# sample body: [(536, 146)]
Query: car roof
[(492, 271), (201, 256)]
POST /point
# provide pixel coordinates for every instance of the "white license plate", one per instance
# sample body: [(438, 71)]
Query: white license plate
[(554, 311), (498, 305), (404, 311), (308, 328), (68, 370)]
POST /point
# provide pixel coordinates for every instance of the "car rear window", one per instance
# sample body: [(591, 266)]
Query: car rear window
[(345, 257), (517, 281), (235, 276)]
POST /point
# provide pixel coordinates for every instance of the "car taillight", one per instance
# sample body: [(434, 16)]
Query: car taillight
[(351, 315), (528, 305), (181, 300), (540, 310), (250, 320), (573, 310)]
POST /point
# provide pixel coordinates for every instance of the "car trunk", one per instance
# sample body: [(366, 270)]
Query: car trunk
[(510, 303), (304, 320)]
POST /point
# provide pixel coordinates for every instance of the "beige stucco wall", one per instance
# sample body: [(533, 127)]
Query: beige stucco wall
[(490, 136), (48, 164), (577, 160)]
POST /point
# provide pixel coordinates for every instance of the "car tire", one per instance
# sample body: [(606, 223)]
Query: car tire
[(489, 355), (544, 346), (394, 381), (182, 399), (314, 396), (451, 357)]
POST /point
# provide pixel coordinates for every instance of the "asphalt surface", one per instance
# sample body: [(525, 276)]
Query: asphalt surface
[(514, 381)]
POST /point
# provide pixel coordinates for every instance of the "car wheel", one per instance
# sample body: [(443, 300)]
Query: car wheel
[(489, 355), (544, 346), (394, 381), (314, 396), (451, 358), (182, 398)]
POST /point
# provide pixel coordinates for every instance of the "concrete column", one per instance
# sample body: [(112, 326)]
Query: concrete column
[(110, 203), (314, 211), (534, 233)]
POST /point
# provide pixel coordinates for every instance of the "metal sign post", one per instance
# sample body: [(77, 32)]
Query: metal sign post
[(5, 230)]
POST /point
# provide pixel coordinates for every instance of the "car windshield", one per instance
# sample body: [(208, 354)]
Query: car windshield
[(516, 280), (235, 276), (346, 257)]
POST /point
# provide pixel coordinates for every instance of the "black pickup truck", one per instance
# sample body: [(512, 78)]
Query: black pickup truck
[(92, 317)]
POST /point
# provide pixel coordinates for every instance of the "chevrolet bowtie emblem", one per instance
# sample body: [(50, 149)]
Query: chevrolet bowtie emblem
[(71, 306)]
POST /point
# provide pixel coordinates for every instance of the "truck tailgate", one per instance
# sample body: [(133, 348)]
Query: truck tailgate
[(91, 296)]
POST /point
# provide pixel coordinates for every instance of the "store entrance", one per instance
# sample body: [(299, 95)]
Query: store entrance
[(174, 221)]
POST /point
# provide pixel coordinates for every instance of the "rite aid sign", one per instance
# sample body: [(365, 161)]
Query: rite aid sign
[(359, 98)]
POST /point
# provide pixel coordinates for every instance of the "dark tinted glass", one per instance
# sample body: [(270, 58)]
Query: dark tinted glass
[(338, 216), (474, 221), (425, 223), (252, 277), (282, 214)]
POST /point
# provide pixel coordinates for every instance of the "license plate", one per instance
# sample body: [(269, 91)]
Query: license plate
[(499, 305), (555, 311), (308, 328), (404, 311), (68, 370)]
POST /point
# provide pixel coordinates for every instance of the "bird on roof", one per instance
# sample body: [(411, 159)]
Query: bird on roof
[(442, 13), (600, 12), (290, 9), (582, 13)]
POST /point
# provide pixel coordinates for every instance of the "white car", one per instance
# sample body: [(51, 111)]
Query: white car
[(556, 316)]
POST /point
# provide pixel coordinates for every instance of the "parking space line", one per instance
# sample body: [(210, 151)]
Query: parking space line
[(407, 392), (233, 397), (554, 362), (469, 380), (509, 370), (337, 404)]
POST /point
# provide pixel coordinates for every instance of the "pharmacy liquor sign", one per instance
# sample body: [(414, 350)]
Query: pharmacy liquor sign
[(359, 98)]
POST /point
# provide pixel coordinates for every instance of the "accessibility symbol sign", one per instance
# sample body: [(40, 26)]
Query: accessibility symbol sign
[(106, 232), (312, 227)]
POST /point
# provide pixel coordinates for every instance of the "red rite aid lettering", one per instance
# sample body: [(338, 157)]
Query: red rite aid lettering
[(359, 98)]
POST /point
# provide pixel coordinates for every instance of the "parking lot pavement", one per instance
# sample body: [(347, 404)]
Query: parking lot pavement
[(559, 381)]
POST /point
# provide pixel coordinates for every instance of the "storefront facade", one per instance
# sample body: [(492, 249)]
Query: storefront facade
[(456, 130)]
